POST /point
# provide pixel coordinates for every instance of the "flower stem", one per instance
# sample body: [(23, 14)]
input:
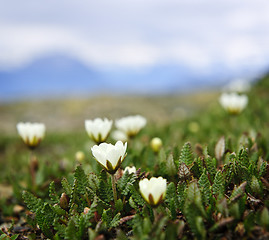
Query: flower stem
[(114, 187), (155, 213), (33, 168)]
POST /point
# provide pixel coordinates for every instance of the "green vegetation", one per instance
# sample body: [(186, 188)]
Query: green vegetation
[(217, 172)]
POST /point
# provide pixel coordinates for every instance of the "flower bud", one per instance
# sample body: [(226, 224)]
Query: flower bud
[(80, 156), (156, 144), (193, 127), (64, 201)]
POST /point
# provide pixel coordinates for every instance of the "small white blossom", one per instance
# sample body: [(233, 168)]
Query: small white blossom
[(233, 103), (31, 133), (153, 190), (130, 170), (238, 85), (119, 136), (98, 129), (110, 156), (131, 125)]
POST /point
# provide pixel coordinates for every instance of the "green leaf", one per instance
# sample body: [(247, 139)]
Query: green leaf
[(200, 165), (243, 157), (238, 192), (195, 169), (186, 155), (210, 166), (3, 236), (194, 219), (59, 228), (93, 182), (194, 195), (193, 192), (218, 186), (228, 172), (205, 187), (170, 191), (14, 237), (170, 165), (171, 199), (66, 186), (118, 205), (121, 235), (181, 193), (71, 230), (172, 208), (255, 186), (161, 156), (32, 202), (82, 180), (82, 226), (45, 217), (115, 221), (107, 217), (136, 196), (58, 210), (52, 193), (262, 169), (126, 182), (133, 204), (105, 191), (264, 218), (234, 210)]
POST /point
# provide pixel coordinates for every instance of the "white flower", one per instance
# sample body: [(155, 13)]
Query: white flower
[(131, 125), (98, 129), (119, 136), (233, 103), (110, 156), (31, 133), (153, 190), (238, 85), (130, 170), (156, 144)]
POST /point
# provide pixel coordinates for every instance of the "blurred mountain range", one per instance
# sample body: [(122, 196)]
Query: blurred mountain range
[(61, 76)]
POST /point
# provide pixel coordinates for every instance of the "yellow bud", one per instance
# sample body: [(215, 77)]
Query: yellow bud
[(80, 156), (193, 127), (156, 144)]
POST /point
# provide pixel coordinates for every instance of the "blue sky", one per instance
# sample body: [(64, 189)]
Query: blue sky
[(201, 35)]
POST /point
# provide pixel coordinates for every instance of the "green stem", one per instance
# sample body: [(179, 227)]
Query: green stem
[(114, 187)]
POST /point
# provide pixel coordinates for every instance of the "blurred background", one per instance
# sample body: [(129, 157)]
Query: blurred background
[(109, 58)]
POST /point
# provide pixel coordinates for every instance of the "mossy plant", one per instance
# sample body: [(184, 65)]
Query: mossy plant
[(217, 184)]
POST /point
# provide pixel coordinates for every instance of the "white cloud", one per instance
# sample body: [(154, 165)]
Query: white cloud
[(136, 33)]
